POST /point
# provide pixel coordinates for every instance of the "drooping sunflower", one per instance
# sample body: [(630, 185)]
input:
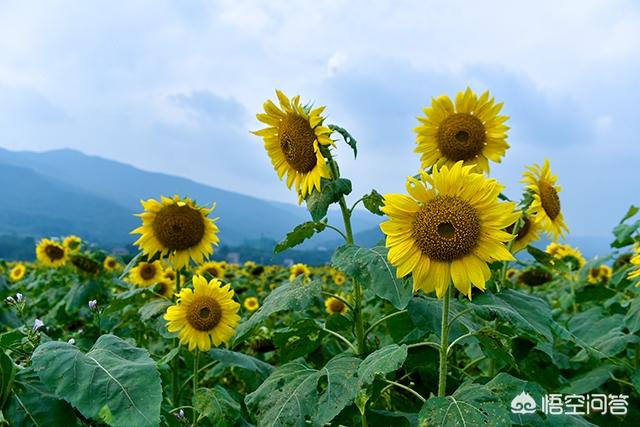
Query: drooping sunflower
[(599, 274), (72, 243), (293, 139), (18, 272), (546, 202), (251, 304), (204, 315), (535, 276), (528, 233), (635, 272), (146, 274), (51, 253), (298, 270), (167, 287), (334, 306), (447, 229), (110, 263), (471, 130), (178, 228), (215, 269)]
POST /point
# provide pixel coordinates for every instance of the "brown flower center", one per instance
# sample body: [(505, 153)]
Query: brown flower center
[(213, 271), (296, 142), (148, 271), (204, 313), (111, 263), (522, 232), (54, 252), (461, 136), (594, 272), (446, 228), (179, 227), (549, 199), (336, 306)]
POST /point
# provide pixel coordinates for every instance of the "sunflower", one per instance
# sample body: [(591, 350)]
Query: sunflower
[(251, 304), (146, 274), (448, 228), (72, 243), (293, 139), (511, 273), (469, 130), (635, 272), (535, 276), (215, 269), (546, 202), (178, 228), (298, 269), (51, 253), (528, 233), (205, 314), (334, 306), (567, 254), (110, 263), (338, 277), (167, 287), (599, 274), (18, 272)]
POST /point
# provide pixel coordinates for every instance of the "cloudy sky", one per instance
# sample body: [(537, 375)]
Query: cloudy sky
[(174, 86)]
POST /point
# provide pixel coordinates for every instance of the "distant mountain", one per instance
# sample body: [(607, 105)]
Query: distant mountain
[(65, 191)]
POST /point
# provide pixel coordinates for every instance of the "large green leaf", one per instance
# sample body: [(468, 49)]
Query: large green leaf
[(7, 372), (115, 381), (294, 295), (298, 340), (350, 140), (632, 318), (470, 405), (382, 361), (527, 314), (296, 394), (370, 266), (32, 404), (241, 360), (584, 383), (373, 202), (426, 316), (331, 191), (217, 405)]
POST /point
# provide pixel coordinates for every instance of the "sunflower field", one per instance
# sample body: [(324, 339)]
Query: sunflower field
[(455, 319)]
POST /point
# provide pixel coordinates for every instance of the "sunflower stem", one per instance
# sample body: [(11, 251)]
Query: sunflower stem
[(505, 264), (175, 365), (444, 343), (196, 356), (357, 290)]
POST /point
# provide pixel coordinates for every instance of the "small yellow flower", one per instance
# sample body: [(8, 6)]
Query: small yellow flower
[(146, 274), (335, 306), (110, 263), (251, 304), (72, 243), (215, 269), (511, 273), (298, 270), (18, 272), (205, 315), (51, 254), (339, 278), (635, 272), (599, 274)]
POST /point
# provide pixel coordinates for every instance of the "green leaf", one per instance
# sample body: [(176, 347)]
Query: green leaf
[(113, 378), (32, 404), (153, 309), (624, 234), (542, 257), (168, 357), (631, 212), (373, 202), (370, 266), (10, 339), (527, 314), (240, 360), (584, 383), (299, 235), (294, 295), (506, 388), (217, 405), (470, 405), (331, 191), (635, 379), (632, 318), (381, 362), (7, 372), (296, 394), (298, 340), (493, 345), (350, 140), (426, 316)]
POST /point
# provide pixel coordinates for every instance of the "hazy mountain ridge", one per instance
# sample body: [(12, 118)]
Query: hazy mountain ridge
[(63, 191)]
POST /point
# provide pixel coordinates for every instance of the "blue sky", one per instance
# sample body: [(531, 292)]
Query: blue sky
[(174, 86)]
